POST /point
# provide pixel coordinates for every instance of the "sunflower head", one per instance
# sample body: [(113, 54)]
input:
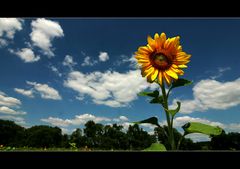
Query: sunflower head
[(162, 59)]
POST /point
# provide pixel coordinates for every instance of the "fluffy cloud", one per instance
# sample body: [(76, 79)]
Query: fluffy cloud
[(28, 93), (45, 91), (68, 61), (103, 56), (43, 32), (8, 101), (78, 120), (26, 54), (7, 110), (18, 120), (8, 28), (120, 119), (88, 62), (110, 88), (212, 94)]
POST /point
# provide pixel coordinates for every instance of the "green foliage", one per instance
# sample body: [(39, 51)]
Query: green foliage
[(180, 82), (151, 94), (195, 127), (156, 147), (157, 100), (174, 112), (151, 120)]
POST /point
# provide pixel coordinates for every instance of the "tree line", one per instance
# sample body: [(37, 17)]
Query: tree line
[(96, 136)]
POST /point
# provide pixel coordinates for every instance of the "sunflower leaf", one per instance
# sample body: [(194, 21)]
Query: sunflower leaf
[(157, 100), (195, 127), (174, 112), (151, 94), (180, 82), (151, 120), (156, 147)]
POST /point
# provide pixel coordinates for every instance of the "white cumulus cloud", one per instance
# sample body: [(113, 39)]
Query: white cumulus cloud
[(43, 33), (212, 94), (110, 88), (103, 56), (9, 101), (28, 93), (78, 120), (45, 91), (8, 28), (18, 120), (26, 54), (7, 110)]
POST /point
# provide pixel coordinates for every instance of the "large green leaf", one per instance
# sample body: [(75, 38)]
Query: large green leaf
[(156, 147), (195, 127), (173, 112), (181, 82), (151, 94), (157, 100), (151, 120)]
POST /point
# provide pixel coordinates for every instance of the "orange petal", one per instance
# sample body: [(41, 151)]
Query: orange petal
[(151, 42), (163, 37)]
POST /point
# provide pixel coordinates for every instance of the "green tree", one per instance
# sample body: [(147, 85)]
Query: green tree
[(11, 134), (77, 137), (114, 138), (44, 136), (92, 134), (138, 139), (226, 141)]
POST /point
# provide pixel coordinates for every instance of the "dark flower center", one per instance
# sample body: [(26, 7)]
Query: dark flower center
[(160, 61)]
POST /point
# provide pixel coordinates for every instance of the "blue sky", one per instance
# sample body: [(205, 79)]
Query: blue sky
[(65, 72)]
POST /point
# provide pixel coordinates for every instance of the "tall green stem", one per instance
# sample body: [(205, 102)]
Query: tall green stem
[(169, 121)]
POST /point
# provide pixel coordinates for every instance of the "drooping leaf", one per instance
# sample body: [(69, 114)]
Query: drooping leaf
[(151, 94), (157, 100), (151, 120), (195, 127), (173, 112), (181, 82), (156, 147)]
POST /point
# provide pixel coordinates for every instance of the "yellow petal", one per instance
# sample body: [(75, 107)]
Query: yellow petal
[(144, 49), (141, 57), (167, 43), (172, 73), (160, 78), (167, 78), (151, 42), (143, 61), (163, 37), (154, 75), (178, 71), (182, 66), (156, 36), (146, 72)]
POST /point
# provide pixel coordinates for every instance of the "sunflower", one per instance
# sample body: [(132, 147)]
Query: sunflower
[(162, 59)]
